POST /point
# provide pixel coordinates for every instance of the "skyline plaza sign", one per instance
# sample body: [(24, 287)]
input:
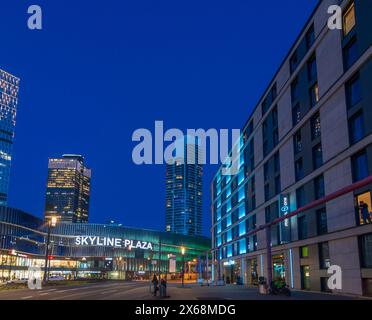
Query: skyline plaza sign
[(112, 242)]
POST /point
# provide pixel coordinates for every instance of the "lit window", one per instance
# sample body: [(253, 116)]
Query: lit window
[(363, 206), (349, 19)]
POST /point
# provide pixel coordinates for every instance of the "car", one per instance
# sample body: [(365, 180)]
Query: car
[(56, 278), (17, 281)]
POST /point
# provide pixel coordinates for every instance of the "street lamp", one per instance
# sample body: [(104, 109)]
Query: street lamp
[(183, 265), (52, 221)]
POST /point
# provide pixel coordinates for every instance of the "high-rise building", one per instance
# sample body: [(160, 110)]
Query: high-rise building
[(9, 86), (309, 136), (68, 189), (184, 192)]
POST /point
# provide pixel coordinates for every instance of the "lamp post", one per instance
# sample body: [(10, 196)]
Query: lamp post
[(183, 265), (51, 224)]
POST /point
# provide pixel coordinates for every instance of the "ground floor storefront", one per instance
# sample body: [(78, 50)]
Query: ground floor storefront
[(97, 251), (308, 265)]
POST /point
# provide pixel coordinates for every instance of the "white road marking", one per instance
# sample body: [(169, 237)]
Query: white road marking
[(29, 297)]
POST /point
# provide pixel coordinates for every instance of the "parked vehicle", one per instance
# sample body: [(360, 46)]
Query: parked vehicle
[(17, 281), (56, 278)]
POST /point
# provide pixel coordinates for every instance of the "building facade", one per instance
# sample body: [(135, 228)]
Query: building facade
[(96, 250), (184, 191), (9, 86), (68, 189), (309, 136)]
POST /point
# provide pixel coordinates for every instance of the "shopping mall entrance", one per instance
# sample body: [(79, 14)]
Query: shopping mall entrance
[(278, 267)]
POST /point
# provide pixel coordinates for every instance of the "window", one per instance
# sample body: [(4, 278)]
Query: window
[(277, 185), (267, 192), (349, 19), (297, 139), (366, 248), (319, 187), (311, 68), (276, 162), (299, 170), (350, 53), (305, 277), (356, 127), (310, 37), (314, 95), (275, 137), (273, 92), (363, 208), (315, 127), (293, 62), (324, 259), (302, 228), (295, 90), (274, 115), (359, 164), (265, 106), (317, 156), (296, 114), (321, 221), (353, 92), (300, 197), (267, 215), (304, 252), (266, 171), (265, 148)]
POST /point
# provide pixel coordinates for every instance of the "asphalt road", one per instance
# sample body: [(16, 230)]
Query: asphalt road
[(120, 290)]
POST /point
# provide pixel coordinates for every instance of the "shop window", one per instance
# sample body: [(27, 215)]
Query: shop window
[(324, 259), (363, 208), (278, 267), (366, 250), (305, 277), (367, 287), (324, 285)]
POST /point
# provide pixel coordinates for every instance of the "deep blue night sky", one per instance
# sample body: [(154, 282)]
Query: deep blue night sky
[(101, 69)]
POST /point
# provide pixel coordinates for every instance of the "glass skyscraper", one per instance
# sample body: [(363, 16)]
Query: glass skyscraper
[(184, 193), (68, 189), (9, 86)]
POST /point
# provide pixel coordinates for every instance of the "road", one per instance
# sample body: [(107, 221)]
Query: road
[(121, 290)]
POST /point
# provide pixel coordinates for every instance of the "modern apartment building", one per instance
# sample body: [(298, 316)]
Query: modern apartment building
[(68, 189), (309, 136), (184, 192), (9, 86)]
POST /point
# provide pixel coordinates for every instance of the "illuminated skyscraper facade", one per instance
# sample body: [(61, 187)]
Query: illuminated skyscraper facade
[(9, 86), (184, 193), (68, 189)]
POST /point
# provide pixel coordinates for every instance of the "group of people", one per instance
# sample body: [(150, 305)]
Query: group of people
[(162, 287)]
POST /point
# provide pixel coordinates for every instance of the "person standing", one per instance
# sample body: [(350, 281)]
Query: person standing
[(365, 212), (155, 283)]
